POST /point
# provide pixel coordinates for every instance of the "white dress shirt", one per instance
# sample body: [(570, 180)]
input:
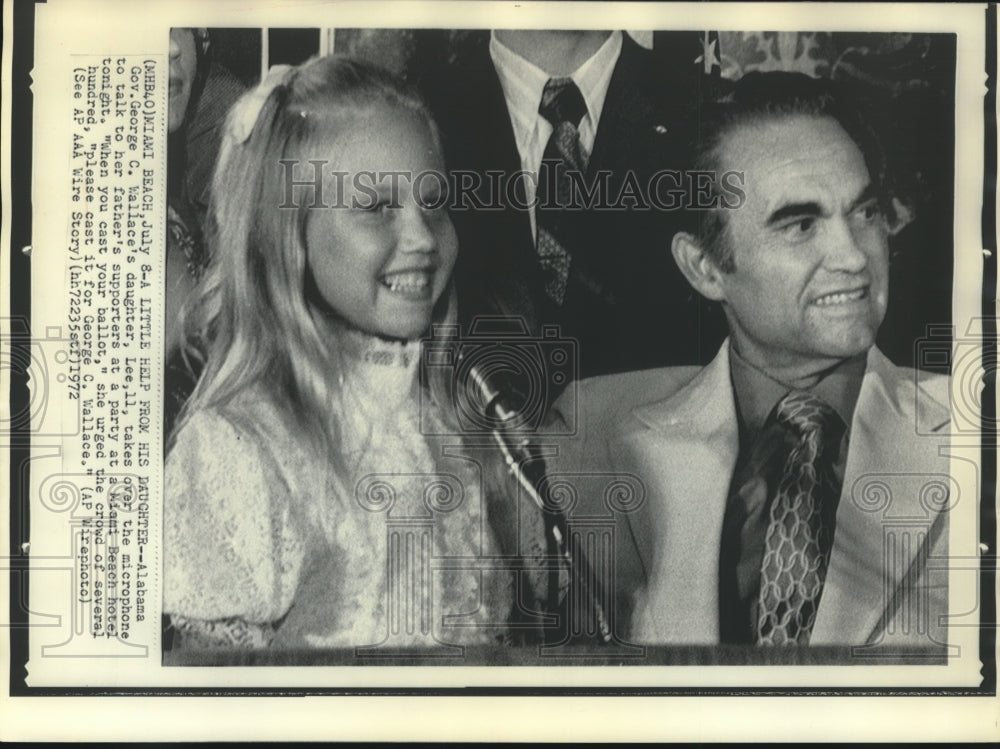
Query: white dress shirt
[(522, 85)]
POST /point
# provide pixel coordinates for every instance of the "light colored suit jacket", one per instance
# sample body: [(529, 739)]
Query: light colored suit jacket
[(673, 432)]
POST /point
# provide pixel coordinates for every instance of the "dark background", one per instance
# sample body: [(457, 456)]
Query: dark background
[(907, 82)]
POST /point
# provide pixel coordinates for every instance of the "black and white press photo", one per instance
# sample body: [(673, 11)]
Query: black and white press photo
[(512, 345), (409, 356)]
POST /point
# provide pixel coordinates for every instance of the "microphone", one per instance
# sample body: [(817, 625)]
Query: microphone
[(495, 404), (525, 462)]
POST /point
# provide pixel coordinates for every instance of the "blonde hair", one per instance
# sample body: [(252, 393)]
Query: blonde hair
[(252, 324)]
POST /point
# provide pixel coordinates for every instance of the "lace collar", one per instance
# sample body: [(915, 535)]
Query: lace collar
[(378, 375)]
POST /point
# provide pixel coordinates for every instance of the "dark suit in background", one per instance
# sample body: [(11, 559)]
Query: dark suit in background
[(626, 303)]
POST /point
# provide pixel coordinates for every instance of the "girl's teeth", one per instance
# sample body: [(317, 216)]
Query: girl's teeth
[(408, 282)]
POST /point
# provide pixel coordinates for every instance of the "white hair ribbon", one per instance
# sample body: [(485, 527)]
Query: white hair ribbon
[(247, 109)]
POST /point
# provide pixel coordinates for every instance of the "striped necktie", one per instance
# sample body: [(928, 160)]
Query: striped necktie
[(563, 106)]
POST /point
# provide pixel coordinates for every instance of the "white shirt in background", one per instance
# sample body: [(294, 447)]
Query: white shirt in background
[(523, 83)]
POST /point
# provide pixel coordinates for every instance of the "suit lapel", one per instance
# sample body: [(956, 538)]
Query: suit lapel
[(889, 446), (685, 448), (490, 135), (624, 109), (498, 256)]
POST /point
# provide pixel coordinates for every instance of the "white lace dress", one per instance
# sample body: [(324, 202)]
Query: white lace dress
[(263, 548)]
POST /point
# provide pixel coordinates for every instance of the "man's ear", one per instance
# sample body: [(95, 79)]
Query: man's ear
[(697, 266)]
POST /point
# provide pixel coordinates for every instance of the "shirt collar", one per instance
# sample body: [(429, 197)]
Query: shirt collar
[(594, 76), (757, 393), (523, 82)]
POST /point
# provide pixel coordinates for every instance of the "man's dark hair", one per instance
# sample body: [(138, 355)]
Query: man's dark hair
[(762, 97)]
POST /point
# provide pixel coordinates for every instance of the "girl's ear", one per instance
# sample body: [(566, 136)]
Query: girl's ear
[(698, 267)]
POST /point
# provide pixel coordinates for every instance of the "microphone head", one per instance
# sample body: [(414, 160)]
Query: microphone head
[(495, 389)]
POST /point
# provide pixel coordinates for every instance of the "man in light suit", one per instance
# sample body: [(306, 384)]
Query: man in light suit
[(755, 529)]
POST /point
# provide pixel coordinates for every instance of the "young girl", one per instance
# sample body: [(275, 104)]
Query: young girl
[(305, 507)]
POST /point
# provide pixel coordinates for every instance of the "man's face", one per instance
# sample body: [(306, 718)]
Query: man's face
[(809, 244)]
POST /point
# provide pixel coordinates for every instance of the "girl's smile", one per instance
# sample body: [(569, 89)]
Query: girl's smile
[(382, 256)]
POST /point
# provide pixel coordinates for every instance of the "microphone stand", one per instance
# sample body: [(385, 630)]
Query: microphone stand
[(528, 467)]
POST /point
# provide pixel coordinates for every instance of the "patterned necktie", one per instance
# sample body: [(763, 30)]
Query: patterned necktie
[(798, 542), (563, 106)]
